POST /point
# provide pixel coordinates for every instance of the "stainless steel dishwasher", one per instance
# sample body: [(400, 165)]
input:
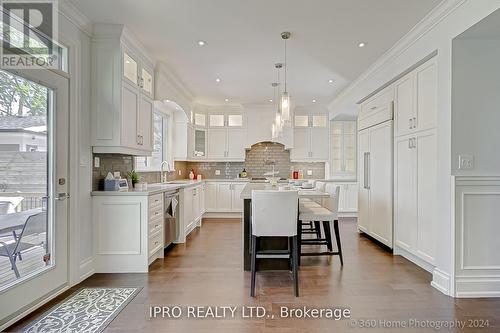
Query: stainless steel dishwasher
[(171, 204)]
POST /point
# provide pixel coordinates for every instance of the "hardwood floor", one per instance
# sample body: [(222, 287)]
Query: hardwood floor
[(207, 271)]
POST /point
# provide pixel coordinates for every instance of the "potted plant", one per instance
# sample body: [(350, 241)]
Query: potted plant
[(134, 177)]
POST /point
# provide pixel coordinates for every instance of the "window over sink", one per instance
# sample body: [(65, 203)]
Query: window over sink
[(160, 150)]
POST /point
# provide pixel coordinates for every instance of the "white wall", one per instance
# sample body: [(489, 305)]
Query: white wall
[(476, 105), (259, 120), (435, 32)]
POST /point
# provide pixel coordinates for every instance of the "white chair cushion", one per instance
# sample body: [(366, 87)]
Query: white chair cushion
[(317, 214), (310, 204), (274, 213)]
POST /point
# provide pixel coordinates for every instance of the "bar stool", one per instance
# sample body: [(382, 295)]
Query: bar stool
[(274, 214), (312, 227), (327, 214)]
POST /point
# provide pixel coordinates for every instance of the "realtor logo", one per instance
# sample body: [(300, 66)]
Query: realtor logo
[(28, 34)]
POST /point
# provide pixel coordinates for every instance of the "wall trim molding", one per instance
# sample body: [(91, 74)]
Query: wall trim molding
[(439, 13), (75, 16), (87, 269), (477, 286), (441, 281)]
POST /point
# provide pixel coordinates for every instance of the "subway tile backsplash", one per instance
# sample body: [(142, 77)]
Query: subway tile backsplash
[(259, 160)]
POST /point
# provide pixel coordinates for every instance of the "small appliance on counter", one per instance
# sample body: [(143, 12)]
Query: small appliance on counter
[(115, 184), (243, 174)]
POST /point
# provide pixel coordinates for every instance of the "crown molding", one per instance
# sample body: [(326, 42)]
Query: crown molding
[(433, 18), (75, 16)]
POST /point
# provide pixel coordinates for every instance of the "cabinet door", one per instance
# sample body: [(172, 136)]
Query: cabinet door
[(130, 116), (342, 198), (190, 142), (236, 139), (404, 105), (405, 197), (188, 207), (380, 182), (349, 148), (196, 207), (336, 148), (146, 124), (147, 81), (211, 197), (351, 198), (302, 144), (130, 69), (224, 197), (217, 143), (319, 144), (237, 202), (200, 143), (426, 95), (426, 148), (364, 189), (202, 198)]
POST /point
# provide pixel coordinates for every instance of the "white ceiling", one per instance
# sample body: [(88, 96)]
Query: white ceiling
[(243, 41)]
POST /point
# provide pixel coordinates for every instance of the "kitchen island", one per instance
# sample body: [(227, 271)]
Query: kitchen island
[(266, 243)]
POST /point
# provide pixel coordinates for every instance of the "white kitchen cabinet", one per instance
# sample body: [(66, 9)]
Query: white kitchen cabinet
[(311, 142), (129, 232), (343, 149), (217, 143), (364, 193), (415, 100), (121, 106), (200, 143), (191, 208), (210, 197), (224, 197), (415, 180), (348, 199), (226, 144)]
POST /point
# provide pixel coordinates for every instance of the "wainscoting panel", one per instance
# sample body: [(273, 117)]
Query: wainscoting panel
[(477, 230)]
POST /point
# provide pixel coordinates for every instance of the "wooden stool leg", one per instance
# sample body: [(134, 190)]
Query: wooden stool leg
[(328, 235), (317, 226), (337, 237), (296, 256), (254, 256)]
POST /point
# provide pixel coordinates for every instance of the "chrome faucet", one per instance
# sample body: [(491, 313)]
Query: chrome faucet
[(162, 172)]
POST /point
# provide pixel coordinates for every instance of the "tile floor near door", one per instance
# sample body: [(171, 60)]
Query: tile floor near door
[(207, 271)]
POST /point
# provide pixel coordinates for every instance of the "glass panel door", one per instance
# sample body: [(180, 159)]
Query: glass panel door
[(130, 68), (147, 84), (33, 186)]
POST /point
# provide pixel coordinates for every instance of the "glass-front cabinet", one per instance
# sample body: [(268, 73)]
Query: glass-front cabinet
[(200, 143), (343, 149)]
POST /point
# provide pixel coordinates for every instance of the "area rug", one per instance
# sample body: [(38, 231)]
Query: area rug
[(88, 310)]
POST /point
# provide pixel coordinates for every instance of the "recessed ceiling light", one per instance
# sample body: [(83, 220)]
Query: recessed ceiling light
[(361, 44), (127, 61), (201, 43), (227, 100), (314, 101), (271, 100), (217, 80), (330, 81)]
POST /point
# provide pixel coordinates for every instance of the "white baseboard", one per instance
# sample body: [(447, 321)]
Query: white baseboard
[(441, 281), (220, 215), (477, 286), (413, 258), (87, 269)]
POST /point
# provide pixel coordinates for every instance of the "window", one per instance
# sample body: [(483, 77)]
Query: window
[(199, 119), (159, 154), (319, 121)]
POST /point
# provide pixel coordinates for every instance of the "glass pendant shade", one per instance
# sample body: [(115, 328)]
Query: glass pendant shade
[(285, 107)]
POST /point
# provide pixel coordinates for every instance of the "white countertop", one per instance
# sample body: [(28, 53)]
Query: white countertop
[(303, 193), (163, 187)]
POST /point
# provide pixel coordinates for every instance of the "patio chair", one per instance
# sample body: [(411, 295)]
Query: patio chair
[(34, 225)]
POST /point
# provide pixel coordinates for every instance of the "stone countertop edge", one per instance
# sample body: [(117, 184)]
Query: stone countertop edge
[(155, 188)]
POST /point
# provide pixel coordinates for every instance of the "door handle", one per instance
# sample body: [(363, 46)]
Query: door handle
[(62, 196), (366, 163)]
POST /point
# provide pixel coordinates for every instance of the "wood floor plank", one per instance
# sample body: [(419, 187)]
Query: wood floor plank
[(207, 271)]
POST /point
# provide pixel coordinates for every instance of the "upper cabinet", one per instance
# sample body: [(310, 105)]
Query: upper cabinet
[(415, 100), (310, 138), (343, 149), (217, 136), (122, 93)]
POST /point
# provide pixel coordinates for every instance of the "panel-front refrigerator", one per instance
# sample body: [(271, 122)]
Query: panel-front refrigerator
[(375, 161)]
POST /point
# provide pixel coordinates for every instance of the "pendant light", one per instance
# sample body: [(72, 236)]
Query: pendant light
[(278, 121), (275, 126), (285, 98)]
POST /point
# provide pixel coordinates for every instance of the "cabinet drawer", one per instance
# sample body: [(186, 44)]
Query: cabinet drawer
[(155, 243), (155, 212), (155, 201), (381, 100), (155, 225)]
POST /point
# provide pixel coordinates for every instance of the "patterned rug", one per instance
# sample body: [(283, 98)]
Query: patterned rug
[(89, 310)]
